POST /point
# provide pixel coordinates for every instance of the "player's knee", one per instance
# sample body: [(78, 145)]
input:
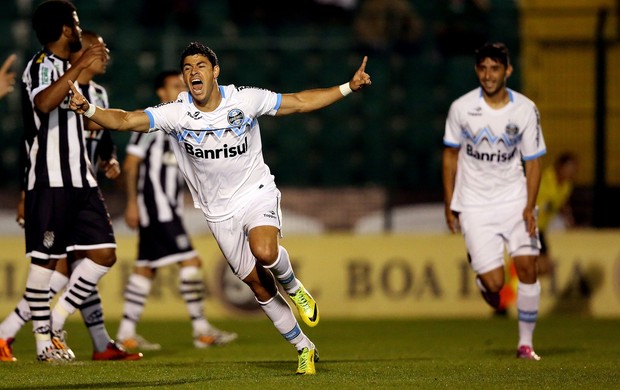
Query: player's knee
[(492, 285), (265, 254), (105, 257)]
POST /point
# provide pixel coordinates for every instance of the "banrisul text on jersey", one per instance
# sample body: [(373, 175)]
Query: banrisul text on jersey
[(224, 152)]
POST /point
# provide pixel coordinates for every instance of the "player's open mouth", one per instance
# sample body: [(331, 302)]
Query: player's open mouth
[(196, 85)]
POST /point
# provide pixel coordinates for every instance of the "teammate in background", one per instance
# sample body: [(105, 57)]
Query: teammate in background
[(155, 207), (487, 193), (216, 141), (556, 187), (7, 78), (104, 348), (64, 209)]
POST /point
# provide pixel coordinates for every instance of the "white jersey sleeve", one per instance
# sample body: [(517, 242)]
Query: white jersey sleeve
[(533, 144), (452, 134), (165, 116), (47, 74), (262, 100)]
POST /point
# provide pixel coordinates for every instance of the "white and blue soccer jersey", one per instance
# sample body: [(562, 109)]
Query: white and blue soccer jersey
[(220, 152), (492, 144)]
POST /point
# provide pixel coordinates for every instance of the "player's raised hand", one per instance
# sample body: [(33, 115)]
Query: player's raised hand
[(7, 78), (78, 102), (360, 79), (94, 52)]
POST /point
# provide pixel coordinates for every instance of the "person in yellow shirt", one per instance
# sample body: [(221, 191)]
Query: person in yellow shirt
[(556, 187)]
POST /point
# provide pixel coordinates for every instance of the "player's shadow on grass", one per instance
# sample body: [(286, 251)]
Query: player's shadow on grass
[(117, 385), (504, 352)]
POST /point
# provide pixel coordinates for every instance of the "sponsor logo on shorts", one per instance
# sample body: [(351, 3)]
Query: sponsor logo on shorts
[(48, 239), (270, 214)]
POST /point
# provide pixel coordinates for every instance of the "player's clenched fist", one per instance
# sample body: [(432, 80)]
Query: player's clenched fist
[(78, 102)]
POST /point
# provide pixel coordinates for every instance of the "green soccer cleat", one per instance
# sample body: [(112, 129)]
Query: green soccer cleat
[(306, 359), (308, 310)]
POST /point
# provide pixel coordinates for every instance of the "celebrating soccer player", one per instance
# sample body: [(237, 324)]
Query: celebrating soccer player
[(216, 140)]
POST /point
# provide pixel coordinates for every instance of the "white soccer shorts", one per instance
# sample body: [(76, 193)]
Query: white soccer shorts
[(232, 234), (487, 231)]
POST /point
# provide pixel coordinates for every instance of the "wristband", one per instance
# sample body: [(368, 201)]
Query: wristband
[(91, 110), (345, 89)]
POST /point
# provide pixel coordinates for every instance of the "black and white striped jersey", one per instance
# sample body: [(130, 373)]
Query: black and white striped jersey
[(56, 151), (99, 143), (160, 184)]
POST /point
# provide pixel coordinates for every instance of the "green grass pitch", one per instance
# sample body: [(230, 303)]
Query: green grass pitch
[(577, 353)]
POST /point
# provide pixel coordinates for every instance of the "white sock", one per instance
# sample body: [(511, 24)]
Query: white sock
[(82, 283), (18, 317), (57, 283), (279, 312), (283, 271), (136, 293), (15, 320), (528, 301), (37, 295), (192, 289)]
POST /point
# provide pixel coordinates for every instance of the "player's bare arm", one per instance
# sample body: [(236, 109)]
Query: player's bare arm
[(51, 97), (112, 119), (314, 99), (450, 164), (532, 175), (131, 167)]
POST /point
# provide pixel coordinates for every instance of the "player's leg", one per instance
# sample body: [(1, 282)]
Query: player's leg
[(264, 246), (91, 310), (263, 222), (524, 250), (544, 263), (48, 216), (232, 240), (91, 233), (528, 303), (485, 251), (490, 284), (262, 283), (13, 323), (192, 289), (136, 294)]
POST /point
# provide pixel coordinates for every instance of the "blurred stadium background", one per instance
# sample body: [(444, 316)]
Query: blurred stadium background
[(362, 179)]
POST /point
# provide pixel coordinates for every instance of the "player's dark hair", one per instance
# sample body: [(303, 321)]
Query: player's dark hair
[(160, 79), (496, 51), (50, 17), (198, 48)]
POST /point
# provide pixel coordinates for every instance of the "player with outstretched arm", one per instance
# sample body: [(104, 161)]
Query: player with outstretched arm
[(218, 148)]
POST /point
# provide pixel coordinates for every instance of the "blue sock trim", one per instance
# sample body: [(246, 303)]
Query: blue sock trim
[(528, 316), (288, 280), (292, 333)]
